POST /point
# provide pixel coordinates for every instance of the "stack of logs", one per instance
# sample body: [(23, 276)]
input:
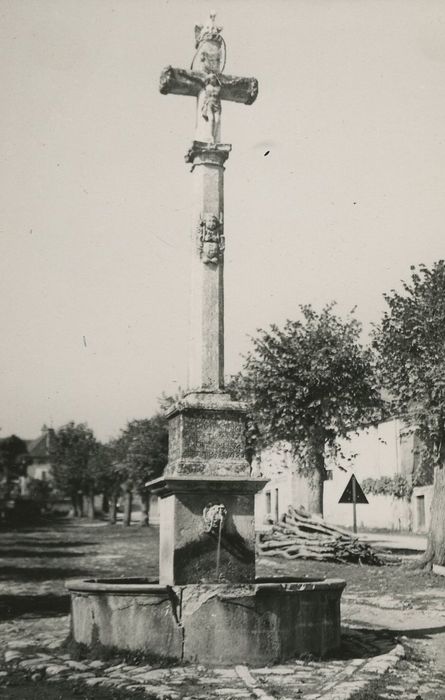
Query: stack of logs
[(299, 535)]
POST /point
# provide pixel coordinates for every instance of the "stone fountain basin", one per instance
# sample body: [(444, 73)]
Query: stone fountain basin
[(266, 622)]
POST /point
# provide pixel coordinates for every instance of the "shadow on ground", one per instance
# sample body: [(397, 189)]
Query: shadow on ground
[(25, 574), (32, 553), (12, 606), (423, 633), (364, 643), (30, 542)]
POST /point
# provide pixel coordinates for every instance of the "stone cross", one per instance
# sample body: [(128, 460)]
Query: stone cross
[(207, 493), (206, 81), (210, 86)]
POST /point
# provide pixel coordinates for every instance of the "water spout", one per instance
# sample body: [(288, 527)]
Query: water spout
[(214, 515)]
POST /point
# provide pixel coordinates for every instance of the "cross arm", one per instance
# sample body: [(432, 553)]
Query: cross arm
[(243, 90), (180, 82), (185, 82)]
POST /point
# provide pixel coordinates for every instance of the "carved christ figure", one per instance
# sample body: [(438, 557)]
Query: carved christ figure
[(209, 109)]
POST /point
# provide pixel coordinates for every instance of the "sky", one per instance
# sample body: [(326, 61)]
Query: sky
[(95, 195)]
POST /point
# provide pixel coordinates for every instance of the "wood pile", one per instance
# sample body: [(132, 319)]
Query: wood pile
[(299, 535)]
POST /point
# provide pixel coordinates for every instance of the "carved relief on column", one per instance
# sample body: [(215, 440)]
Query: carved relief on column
[(210, 239)]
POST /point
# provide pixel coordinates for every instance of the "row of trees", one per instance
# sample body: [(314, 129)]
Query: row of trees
[(82, 467), (312, 382), (14, 460)]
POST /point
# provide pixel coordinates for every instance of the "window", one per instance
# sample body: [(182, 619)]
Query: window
[(420, 501), (268, 503)]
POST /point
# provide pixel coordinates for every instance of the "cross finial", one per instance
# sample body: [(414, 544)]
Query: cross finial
[(210, 56), (208, 31)]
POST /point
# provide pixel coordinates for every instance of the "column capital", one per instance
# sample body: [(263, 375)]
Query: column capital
[(203, 153)]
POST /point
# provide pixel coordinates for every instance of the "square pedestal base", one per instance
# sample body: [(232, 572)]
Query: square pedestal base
[(207, 436)]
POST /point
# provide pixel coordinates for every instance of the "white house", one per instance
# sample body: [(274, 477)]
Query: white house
[(386, 450)]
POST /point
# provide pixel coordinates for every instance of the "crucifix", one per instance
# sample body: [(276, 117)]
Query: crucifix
[(207, 82), (210, 86)]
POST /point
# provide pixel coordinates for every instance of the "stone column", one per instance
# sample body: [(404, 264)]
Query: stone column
[(207, 466), (206, 341)]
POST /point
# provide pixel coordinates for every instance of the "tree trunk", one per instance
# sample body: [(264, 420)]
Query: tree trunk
[(316, 478), (113, 509), (145, 509), (435, 550), (316, 489), (80, 504), (127, 508), (90, 505), (105, 503), (74, 501)]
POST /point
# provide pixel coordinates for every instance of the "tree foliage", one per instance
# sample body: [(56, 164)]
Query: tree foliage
[(144, 445), (81, 466), (411, 343), (311, 383), (141, 454), (397, 486), (75, 466), (39, 491), (14, 459)]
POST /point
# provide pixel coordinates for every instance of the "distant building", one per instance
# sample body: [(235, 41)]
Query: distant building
[(39, 451)]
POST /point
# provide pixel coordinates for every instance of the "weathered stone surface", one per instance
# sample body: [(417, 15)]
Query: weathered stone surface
[(22, 644), (272, 623), (56, 669), (217, 624), (207, 436), (33, 664), (206, 343), (77, 665), (188, 551), (136, 622)]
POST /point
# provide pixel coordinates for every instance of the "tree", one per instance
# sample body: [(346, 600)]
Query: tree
[(101, 474), (14, 459), (74, 464), (310, 383), (411, 343), (39, 491), (146, 452), (113, 474)]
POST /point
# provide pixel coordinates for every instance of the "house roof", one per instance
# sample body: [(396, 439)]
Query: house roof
[(40, 447), (37, 447)]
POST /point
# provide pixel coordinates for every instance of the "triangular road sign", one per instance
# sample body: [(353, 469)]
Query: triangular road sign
[(347, 496)]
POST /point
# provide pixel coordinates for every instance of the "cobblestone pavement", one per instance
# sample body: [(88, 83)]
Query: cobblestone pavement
[(414, 678), (420, 675), (33, 647), (393, 638)]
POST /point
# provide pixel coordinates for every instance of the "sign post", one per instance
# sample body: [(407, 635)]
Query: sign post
[(353, 493), (354, 505)]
